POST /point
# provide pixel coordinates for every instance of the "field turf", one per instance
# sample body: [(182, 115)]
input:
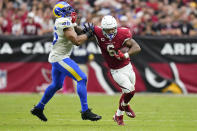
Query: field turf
[(154, 112)]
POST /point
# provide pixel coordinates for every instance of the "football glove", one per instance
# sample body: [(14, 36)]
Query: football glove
[(88, 29), (121, 56)]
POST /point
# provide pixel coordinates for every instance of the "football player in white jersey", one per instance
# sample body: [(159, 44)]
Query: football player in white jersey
[(65, 38)]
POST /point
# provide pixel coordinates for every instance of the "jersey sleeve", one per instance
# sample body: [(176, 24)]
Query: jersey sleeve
[(96, 33), (127, 34), (62, 23), (96, 30)]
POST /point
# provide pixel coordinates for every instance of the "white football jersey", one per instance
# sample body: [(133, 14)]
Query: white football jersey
[(61, 47)]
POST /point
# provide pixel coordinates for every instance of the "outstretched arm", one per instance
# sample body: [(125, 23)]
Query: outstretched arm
[(78, 30), (71, 35)]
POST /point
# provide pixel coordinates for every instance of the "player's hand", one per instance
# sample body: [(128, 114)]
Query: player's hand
[(88, 29), (119, 55)]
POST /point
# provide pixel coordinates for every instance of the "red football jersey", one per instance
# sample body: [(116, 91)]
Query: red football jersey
[(110, 47)]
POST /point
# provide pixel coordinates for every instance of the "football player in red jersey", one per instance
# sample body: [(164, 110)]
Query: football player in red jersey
[(111, 41)]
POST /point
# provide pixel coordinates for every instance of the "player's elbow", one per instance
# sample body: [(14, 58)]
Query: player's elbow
[(77, 43), (137, 49), (79, 40)]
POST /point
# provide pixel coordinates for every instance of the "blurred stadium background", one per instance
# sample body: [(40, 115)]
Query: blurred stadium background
[(165, 29)]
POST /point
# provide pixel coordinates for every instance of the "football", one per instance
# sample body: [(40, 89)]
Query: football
[(124, 49)]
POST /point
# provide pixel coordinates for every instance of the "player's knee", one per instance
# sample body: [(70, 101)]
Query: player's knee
[(56, 86), (129, 89), (84, 78), (126, 90)]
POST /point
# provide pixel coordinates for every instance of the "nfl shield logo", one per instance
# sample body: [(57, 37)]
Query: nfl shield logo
[(3, 79)]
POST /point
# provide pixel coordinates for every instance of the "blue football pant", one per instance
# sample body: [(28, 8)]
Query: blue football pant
[(60, 70)]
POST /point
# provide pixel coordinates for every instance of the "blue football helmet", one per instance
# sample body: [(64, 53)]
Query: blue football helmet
[(63, 9)]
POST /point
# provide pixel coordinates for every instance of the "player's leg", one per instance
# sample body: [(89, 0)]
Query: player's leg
[(127, 83), (128, 94), (57, 81), (125, 104), (123, 78), (118, 117), (75, 72)]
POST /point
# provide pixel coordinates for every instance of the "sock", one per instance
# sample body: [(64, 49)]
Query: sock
[(82, 92), (119, 112), (48, 94), (127, 97), (121, 100)]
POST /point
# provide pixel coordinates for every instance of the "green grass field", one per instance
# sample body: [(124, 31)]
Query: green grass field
[(154, 112)]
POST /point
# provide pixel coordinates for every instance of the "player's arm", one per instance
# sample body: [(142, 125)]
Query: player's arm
[(134, 47), (81, 31), (78, 30), (130, 43), (71, 35)]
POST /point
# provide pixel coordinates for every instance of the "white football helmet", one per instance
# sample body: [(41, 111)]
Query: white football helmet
[(109, 22)]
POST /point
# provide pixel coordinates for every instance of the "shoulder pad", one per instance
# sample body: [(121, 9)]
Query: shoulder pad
[(62, 23)]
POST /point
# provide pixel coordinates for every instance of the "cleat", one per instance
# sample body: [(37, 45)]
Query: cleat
[(129, 112), (39, 113), (88, 115), (118, 119)]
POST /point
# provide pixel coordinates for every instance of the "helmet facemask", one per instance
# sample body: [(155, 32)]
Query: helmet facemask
[(67, 11), (110, 33)]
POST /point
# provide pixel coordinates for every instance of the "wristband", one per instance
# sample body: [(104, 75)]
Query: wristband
[(126, 55)]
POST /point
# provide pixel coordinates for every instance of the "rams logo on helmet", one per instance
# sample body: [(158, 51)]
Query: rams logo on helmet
[(62, 9)]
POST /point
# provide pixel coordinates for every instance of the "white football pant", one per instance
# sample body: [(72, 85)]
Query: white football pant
[(125, 77)]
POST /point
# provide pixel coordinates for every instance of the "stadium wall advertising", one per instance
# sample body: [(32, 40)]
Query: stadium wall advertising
[(165, 64)]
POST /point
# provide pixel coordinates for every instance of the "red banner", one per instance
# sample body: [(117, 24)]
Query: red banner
[(165, 64), (25, 77), (36, 76)]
